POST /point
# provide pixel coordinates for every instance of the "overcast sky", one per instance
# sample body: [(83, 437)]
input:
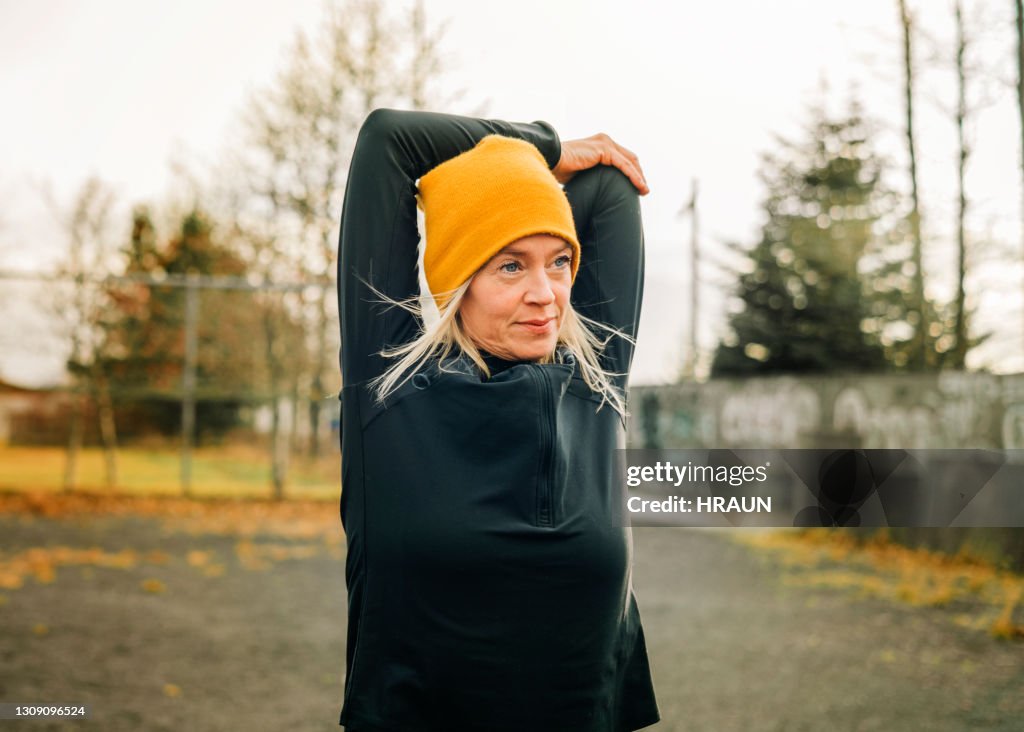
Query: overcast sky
[(120, 89)]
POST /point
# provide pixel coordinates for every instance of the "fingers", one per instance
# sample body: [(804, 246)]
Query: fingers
[(631, 156), (630, 165), (600, 148), (625, 160)]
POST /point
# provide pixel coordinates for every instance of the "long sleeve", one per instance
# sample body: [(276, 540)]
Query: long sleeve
[(610, 283), (379, 236)]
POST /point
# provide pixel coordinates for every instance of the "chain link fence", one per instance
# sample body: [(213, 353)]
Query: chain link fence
[(186, 358)]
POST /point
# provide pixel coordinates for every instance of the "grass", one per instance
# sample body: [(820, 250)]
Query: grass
[(880, 567), (235, 471)]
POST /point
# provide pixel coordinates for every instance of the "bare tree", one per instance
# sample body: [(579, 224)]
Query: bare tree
[(259, 236), (84, 311), (960, 329), (298, 132), (952, 330), (968, 104), (1019, 6), (425, 65), (917, 309)]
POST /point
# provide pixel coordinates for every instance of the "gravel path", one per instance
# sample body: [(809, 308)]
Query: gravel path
[(735, 649), (213, 631)]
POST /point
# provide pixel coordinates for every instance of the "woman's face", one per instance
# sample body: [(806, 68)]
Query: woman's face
[(515, 304)]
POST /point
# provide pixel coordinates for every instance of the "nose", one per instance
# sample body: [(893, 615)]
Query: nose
[(538, 289)]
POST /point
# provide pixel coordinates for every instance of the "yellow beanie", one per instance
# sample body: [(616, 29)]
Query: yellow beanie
[(484, 199)]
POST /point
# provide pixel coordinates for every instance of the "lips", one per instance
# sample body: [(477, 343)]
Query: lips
[(543, 325)]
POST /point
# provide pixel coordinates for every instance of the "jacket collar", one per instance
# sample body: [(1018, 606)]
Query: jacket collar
[(497, 364)]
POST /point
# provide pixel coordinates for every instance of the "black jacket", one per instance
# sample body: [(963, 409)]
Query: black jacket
[(489, 588)]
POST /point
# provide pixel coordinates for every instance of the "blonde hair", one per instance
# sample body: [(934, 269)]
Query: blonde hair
[(445, 339)]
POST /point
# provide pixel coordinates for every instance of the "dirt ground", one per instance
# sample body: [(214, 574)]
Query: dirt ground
[(186, 624)]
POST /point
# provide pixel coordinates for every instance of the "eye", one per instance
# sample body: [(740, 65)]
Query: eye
[(507, 265), (563, 261)]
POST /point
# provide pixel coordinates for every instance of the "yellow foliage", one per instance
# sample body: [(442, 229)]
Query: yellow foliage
[(153, 585), (41, 563), (156, 556), (1004, 627), (315, 521), (197, 558), (292, 518), (172, 690), (882, 568)]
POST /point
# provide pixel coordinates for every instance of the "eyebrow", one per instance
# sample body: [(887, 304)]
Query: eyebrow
[(520, 252)]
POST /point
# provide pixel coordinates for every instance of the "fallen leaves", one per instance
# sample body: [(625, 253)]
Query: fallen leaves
[(153, 585), (157, 557), (41, 562), (914, 576), (197, 558), (297, 519), (316, 522), (203, 562), (172, 690), (1004, 627)]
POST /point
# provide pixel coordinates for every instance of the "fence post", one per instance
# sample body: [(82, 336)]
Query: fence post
[(188, 387)]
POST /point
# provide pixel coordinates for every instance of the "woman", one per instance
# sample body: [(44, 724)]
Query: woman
[(489, 588)]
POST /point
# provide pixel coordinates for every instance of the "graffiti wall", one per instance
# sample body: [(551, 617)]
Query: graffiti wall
[(936, 411), (945, 410)]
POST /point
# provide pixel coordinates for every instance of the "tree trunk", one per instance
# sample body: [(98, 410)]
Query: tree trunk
[(277, 439), (108, 426), (74, 440), (1020, 99), (960, 328), (277, 469), (77, 405), (320, 358), (918, 360), (294, 398)]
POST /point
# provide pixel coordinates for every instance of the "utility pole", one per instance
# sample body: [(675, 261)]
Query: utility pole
[(690, 363)]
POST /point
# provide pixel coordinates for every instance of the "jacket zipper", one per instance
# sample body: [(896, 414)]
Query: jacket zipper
[(547, 432)]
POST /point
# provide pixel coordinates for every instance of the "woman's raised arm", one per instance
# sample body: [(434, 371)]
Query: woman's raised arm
[(603, 181), (609, 286), (379, 237)]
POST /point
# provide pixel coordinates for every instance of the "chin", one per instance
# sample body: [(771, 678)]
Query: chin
[(535, 351)]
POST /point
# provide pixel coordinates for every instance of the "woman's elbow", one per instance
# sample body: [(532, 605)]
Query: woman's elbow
[(379, 124)]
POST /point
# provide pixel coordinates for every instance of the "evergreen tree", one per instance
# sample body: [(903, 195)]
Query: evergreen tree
[(804, 304), (894, 318), (147, 341)]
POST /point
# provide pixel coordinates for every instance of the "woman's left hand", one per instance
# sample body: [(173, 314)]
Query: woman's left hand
[(598, 149)]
